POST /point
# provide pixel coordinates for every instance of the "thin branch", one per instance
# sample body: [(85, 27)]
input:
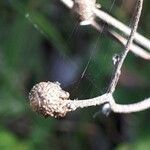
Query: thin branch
[(141, 40), (130, 108), (117, 108), (117, 73), (134, 48), (91, 102)]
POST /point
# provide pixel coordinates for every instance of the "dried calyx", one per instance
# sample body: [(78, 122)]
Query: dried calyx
[(48, 99)]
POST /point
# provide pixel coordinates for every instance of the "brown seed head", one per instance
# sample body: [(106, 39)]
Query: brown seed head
[(84, 9), (48, 99)]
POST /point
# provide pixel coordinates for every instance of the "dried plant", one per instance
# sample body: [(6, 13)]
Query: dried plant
[(49, 99)]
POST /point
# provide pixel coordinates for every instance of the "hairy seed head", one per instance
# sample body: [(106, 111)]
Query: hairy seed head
[(48, 99)]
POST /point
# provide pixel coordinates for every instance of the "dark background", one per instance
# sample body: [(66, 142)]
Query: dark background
[(40, 40)]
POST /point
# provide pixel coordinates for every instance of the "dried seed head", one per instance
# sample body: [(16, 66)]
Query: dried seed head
[(84, 10), (48, 99)]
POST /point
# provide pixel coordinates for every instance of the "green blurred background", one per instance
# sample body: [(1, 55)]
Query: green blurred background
[(40, 40)]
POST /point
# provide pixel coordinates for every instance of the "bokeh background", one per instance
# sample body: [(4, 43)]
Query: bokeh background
[(40, 40)]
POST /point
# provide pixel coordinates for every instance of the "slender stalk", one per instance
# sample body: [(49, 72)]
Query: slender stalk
[(123, 55)]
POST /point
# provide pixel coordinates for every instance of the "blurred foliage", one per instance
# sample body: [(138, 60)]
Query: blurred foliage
[(39, 41), (8, 140)]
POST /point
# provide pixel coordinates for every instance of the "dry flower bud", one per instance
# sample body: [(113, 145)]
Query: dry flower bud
[(48, 99)]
